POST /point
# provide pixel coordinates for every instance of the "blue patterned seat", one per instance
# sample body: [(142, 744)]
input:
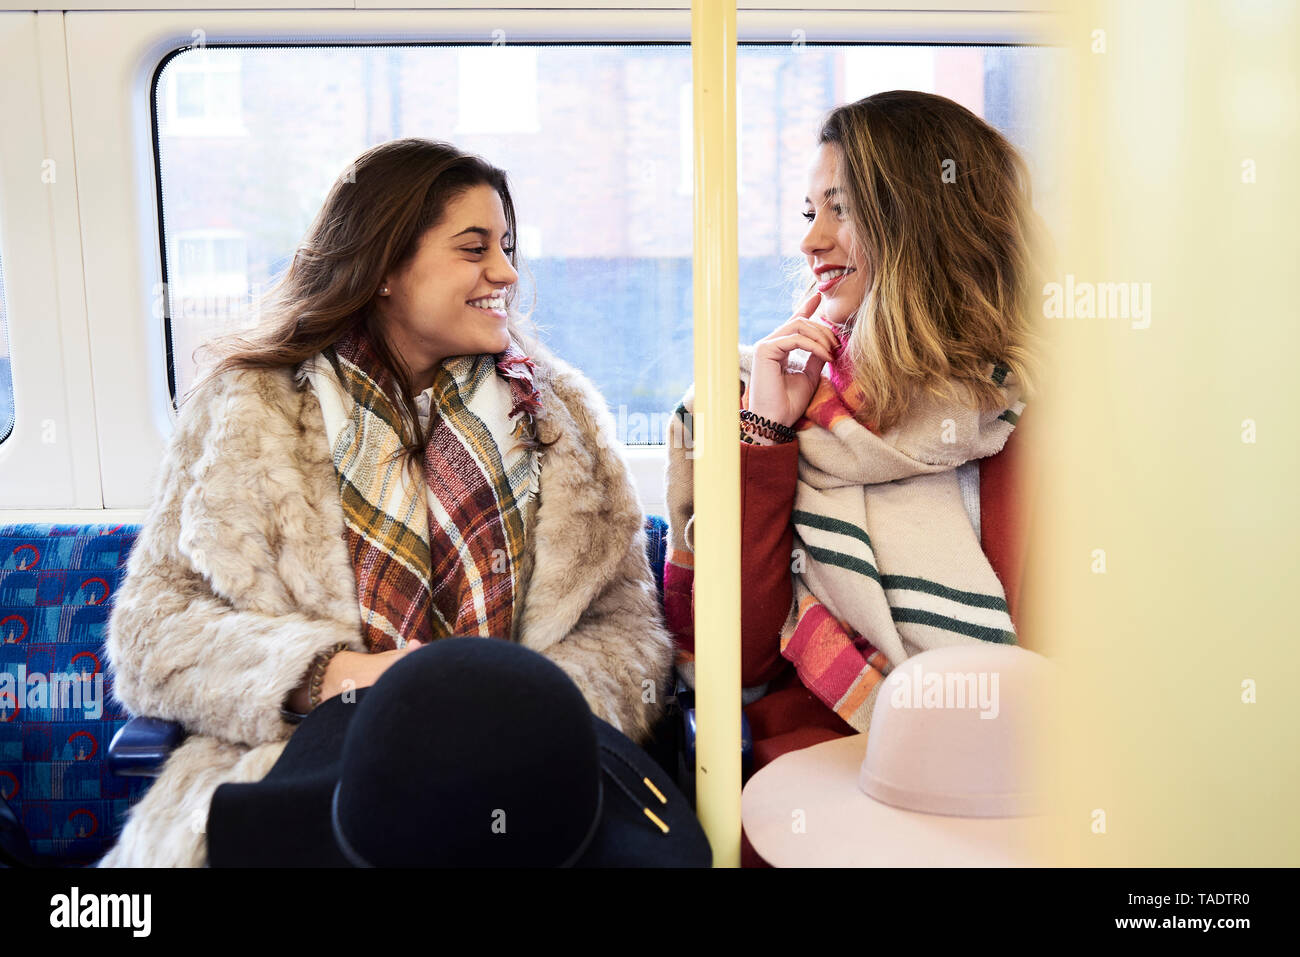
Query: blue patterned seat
[(57, 711), (56, 589)]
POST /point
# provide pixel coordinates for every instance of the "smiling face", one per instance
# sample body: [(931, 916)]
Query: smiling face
[(449, 300), (828, 244)]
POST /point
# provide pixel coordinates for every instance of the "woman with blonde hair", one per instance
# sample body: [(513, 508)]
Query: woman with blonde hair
[(387, 461), (877, 512)]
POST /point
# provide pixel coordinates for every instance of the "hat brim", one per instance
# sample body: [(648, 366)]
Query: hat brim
[(283, 820), (626, 836), (805, 809)]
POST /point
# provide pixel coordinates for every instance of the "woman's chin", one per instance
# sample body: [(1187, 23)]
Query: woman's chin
[(482, 346), (492, 340)]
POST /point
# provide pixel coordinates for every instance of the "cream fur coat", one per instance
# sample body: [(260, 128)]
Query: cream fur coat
[(241, 575)]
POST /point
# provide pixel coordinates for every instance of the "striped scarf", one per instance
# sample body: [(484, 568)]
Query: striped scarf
[(444, 558), (886, 563)]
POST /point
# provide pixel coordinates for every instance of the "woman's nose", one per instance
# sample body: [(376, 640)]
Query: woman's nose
[(816, 240), (500, 271)]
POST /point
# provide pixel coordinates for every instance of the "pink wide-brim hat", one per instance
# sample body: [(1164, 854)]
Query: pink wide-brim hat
[(836, 805)]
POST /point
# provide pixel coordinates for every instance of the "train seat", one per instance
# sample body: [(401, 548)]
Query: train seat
[(57, 710)]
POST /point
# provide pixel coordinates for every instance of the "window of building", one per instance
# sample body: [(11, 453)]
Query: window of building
[(208, 285), (204, 95)]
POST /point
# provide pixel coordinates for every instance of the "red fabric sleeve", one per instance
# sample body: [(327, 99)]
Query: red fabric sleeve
[(1007, 490), (768, 475), (679, 601)]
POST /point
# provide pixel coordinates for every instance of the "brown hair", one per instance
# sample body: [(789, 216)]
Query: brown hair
[(371, 224), (941, 212)]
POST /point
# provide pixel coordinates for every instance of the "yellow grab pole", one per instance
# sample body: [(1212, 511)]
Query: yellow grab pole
[(716, 446)]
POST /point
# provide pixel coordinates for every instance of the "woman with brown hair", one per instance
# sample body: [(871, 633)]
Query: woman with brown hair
[(386, 461), (878, 515)]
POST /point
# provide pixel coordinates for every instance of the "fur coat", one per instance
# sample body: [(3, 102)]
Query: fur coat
[(241, 575)]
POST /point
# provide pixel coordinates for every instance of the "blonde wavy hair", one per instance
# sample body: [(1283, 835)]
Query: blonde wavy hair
[(941, 212)]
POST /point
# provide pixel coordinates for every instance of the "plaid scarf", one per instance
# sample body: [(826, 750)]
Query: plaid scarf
[(886, 563), (442, 559)]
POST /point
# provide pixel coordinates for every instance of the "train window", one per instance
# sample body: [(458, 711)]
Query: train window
[(6, 374), (248, 147)]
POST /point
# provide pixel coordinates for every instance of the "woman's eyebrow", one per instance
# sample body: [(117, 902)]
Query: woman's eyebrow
[(485, 233), (827, 195)]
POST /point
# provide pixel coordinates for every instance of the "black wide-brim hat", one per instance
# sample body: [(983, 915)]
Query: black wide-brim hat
[(467, 752)]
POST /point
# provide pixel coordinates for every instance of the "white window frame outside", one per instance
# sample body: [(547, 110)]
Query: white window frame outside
[(212, 122)]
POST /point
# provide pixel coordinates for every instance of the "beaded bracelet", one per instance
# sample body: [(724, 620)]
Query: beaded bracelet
[(318, 667)]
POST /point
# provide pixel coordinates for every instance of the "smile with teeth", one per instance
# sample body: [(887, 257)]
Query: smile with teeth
[(831, 276), (493, 304)]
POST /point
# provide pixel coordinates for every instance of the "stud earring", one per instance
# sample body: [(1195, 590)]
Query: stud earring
[(383, 290)]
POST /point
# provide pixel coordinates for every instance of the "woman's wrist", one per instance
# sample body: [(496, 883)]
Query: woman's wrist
[(771, 415), (338, 668), (342, 668)]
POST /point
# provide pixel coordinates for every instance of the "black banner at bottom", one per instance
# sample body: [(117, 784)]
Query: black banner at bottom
[(322, 907)]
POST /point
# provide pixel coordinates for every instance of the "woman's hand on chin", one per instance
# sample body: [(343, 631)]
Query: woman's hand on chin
[(776, 391)]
